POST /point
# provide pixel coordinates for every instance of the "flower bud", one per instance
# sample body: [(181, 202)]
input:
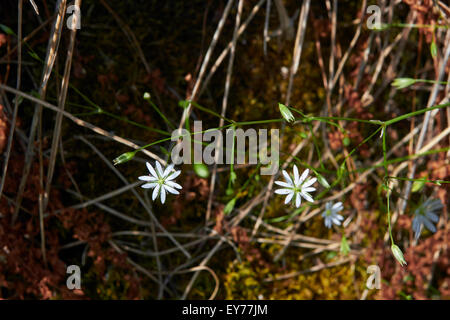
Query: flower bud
[(398, 254), (124, 157), (401, 83), (286, 113)]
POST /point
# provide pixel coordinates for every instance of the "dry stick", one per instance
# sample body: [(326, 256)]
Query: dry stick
[(299, 244), (349, 50), (403, 165), (366, 97), (34, 7), (28, 37), (52, 49), (300, 37), (426, 148), (16, 102), (107, 209), (57, 130), (139, 267), (158, 261), (235, 222), (129, 34), (380, 161), (187, 111), (103, 197), (224, 53), (285, 24), (426, 120), (333, 42), (310, 270), (136, 194), (253, 202), (156, 250), (83, 123), (266, 27), (224, 105)]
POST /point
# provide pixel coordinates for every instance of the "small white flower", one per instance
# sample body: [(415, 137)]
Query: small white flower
[(426, 214), (298, 187), (331, 215), (161, 181)]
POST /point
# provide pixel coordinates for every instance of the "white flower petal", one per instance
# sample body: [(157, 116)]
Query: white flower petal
[(289, 197), (336, 221), (304, 175), (288, 179), (283, 191), (433, 217), (296, 176), (160, 169), (169, 189), (163, 194), (155, 192), (307, 196), (283, 184), (151, 169), (309, 189), (147, 178), (174, 175), (338, 206), (430, 226), (309, 182), (172, 184), (149, 185), (168, 170), (298, 200)]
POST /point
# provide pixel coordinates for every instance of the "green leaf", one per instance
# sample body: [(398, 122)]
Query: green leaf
[(346, 141), (201, 170), (345, 248), (7, 29), (164, 150), (331, 255), (341, 170), (418, 185), (433, 49), (233, 177), (34, 55), (303, 135), (230, 206), (183, 103), (229, 191)]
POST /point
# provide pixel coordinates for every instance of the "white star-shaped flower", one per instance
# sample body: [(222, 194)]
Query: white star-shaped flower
[(161, 181), (298, 187), (331, 215)]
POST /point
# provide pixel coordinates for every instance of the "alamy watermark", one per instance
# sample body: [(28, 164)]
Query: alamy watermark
[(74, 280), (374, 281), (74, 20), (374, 21), (231, 150)]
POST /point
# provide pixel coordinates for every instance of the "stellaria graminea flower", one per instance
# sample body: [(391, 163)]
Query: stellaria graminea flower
[(331, 215), (298, 187), (161, 181), (426, 214)]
